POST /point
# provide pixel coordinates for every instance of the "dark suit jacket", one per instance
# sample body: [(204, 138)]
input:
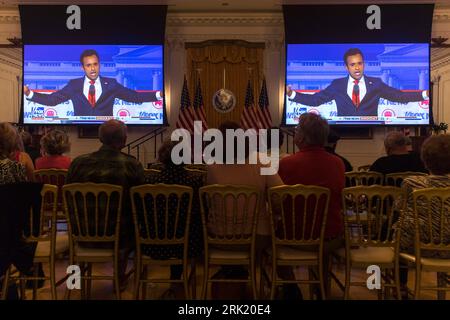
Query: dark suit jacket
[(337, 91), (111, 89)]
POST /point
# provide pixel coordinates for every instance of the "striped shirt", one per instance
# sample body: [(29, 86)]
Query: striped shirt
[(408, 228)]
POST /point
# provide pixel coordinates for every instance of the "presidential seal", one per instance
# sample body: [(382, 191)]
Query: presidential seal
[(224, 100)]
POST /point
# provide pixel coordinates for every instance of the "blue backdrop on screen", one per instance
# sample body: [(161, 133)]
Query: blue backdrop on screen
[(49, 69), (130, 45), (312, 68)]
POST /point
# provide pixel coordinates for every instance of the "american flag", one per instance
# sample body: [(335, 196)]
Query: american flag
[(185, 117), (263, 102), (199, 111), (249, 117)]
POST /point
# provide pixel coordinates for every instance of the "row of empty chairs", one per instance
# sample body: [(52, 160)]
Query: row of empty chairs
[(229, 232), (367, 178)]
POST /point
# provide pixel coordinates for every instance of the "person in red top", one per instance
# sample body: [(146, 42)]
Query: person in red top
[(53, 145), (313, 165)]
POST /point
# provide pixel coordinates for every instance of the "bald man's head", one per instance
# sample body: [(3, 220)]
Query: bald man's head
[(113, 133)]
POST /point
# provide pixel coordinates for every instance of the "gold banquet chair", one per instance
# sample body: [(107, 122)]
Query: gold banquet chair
[(369, 233), (56, 177), (363, 178), (229, 215), (298, 218), (93, 213), (41, 229), (431, 217), (395, 179), (161, 214)]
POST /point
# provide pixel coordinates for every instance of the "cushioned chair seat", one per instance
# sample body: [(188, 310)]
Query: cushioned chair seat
[(62, 245), (228, 254), (369, 254), (289, 253), (93, 252)]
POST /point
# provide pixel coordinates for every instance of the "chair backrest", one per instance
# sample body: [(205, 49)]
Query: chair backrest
[(40, 226), (229, 214), (161, 213), (365, 167), (363, 178), (93, 211), (395, 179), (151, 175), (55, 177), (298, 214), (198, 173), (432, 216), (369, 214), (197, 166)]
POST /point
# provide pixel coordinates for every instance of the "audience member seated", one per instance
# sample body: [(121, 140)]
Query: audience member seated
[(330, 147), (22, 157), (398, 158), (53, 145), (10, 171), (110, 165), (32, 151), (436, 157), (177, 174), (313, 165), (245, 174)]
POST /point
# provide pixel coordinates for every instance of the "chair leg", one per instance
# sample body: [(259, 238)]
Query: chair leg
[(53, 280), (252, 274), (89, 281), (137, 279), (441, 282), (144, 285), (348, 268), (35, 281), (418, 280), (186, 282), (116, 277), (193, 280), (23, 295), (5, 284), (205, 279), (274, 281)]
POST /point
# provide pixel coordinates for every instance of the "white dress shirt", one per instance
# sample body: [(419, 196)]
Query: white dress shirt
[(97, 85)]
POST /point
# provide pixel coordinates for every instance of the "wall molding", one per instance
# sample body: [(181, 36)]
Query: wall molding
[(227, 18)]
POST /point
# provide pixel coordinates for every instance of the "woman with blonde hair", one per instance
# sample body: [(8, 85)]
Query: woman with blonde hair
[(53, 145)]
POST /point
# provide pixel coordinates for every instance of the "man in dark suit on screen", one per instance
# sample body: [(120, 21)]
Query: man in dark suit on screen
[(92, 95), (355, 95)]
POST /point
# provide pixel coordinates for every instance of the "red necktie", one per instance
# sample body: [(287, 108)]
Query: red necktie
[(91, 95), (355, 93)]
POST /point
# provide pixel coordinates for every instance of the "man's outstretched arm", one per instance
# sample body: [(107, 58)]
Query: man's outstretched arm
[(51, 99), (312, 100), (137, 97), (395, 95)]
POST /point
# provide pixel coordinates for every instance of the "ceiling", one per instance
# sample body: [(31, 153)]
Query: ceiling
[(221, 5)]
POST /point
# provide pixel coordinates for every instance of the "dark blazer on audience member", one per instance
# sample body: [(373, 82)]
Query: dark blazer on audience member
[(398, 163)]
